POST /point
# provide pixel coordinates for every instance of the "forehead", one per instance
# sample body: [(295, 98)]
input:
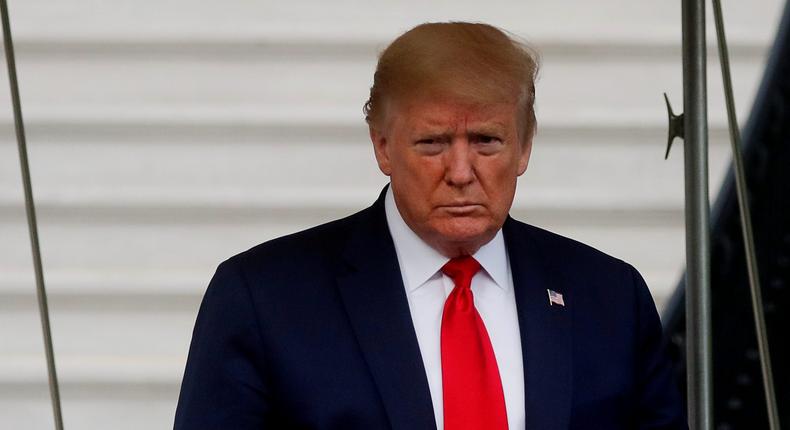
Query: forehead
[(441, 114)]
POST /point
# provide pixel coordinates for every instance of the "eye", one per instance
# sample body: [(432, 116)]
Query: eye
[(487, 144), (486, 139), (429, 145)]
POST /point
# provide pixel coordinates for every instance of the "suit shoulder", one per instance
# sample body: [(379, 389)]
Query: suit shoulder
[(565, 251), (317, 243)]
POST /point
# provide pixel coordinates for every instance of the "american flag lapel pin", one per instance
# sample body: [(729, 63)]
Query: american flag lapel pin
[(555, 298)]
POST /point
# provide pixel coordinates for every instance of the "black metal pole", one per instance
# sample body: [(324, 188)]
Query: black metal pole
[(31, 217), (698, 318), (746, 223)]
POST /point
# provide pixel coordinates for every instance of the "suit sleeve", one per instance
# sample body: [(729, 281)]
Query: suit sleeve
[(223, 386), (659, 402)]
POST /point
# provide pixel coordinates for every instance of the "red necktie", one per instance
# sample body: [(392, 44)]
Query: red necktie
[(473, 397)]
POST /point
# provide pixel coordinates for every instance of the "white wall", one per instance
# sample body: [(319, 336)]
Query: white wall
[(165, 136)]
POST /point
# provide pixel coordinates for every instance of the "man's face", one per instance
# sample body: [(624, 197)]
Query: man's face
[(453, 168)]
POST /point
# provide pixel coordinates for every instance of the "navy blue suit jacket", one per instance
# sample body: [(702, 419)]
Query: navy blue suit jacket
[(313, 331)]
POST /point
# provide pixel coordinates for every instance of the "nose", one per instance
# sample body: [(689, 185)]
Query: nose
[(459, 168)]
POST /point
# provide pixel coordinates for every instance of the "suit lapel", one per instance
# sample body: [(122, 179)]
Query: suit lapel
[(375, 300), (546, 343)]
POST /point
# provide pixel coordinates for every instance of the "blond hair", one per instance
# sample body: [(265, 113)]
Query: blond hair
[(473, 62)]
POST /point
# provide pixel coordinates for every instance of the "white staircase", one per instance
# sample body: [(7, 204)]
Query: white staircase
[(165, 136)]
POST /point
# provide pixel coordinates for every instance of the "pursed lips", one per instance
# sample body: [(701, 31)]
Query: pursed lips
[(460, 208)]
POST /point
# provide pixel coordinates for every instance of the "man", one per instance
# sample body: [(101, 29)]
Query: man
[(433, 308)]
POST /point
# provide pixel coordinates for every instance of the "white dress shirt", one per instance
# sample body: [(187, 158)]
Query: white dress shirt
[(427, 289)]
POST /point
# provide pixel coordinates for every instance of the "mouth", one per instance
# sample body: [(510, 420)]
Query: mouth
[(460, 209)]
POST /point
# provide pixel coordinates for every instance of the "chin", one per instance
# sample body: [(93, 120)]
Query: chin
[(464, 236)]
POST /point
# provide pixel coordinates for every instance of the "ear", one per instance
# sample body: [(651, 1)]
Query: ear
[(523, 161), (381, 150)]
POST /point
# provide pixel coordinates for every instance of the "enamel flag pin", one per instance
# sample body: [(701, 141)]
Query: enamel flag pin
[(555, 298)]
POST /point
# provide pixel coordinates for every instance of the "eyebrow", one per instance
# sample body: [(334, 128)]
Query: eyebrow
[(483, 128), (487, 129), (428, 132)]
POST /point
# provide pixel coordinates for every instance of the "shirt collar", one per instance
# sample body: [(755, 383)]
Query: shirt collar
[(493, 258), (419, 262)]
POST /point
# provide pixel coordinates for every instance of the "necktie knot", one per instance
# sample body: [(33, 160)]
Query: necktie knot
[(461, 270)]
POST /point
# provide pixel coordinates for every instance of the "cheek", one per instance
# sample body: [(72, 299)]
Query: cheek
[(419, 171), (415, 180), (497, 174), (499, 184)]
